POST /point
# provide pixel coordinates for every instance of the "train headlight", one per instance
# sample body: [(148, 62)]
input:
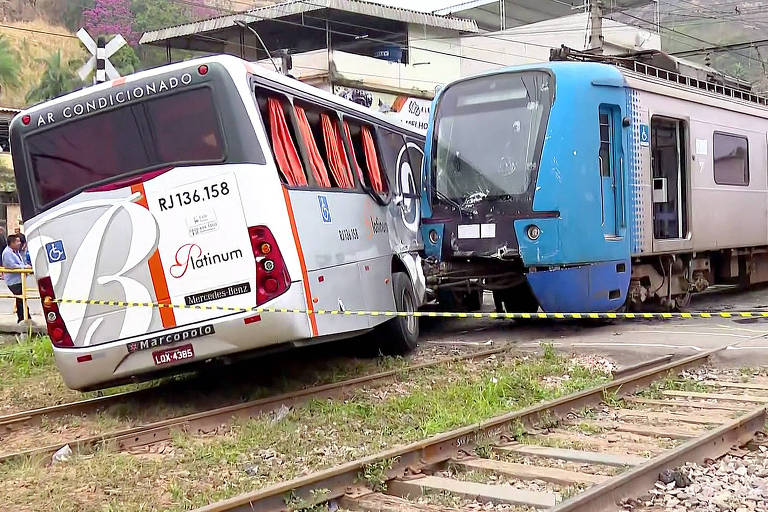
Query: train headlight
[(533, 231), (269, 265), (51, 316), (433, 236)]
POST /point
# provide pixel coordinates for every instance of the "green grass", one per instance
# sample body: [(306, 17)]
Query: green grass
[(654, 391), (589, 428), (308, 438), (26, 357)]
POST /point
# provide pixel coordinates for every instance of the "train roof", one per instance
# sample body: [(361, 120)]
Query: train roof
[(234, 65), (642, 76)]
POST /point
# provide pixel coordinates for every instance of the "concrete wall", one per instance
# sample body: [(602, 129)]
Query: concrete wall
[(437, 57)]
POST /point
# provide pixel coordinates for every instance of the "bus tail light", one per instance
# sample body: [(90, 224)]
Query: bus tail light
[(272, 277), (56, 328)]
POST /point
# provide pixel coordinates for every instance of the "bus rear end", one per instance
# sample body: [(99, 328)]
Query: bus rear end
[(155, 189)]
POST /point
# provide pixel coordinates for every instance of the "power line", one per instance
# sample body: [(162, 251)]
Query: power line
[(11, 27), (347, 34), (662, 27)]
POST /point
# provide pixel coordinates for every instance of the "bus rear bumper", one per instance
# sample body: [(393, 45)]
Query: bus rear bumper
[(112, 363)]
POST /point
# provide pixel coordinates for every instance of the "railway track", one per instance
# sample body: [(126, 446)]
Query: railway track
[(204, 421), (617, 443)]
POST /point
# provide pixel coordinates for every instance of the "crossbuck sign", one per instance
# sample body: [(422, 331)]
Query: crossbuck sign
[(100, 55)]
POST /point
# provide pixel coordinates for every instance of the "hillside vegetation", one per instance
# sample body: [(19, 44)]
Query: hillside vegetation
[(31, 49)]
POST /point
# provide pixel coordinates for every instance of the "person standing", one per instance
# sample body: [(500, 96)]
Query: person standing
[(12, 259)]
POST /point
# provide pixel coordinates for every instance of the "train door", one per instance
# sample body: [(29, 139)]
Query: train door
[(669, 181), (609, 158)]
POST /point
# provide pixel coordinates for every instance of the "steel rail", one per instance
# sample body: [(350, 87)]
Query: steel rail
[(16, 420), (637, 481), (204, 421), (336, 481)]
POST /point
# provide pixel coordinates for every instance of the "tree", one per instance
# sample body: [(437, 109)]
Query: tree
[(125, 60), (9, 64), (154, 14), (73, 15), (57, 79), (108, 18)]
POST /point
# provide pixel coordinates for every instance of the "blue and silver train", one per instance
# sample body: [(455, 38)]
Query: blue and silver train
[(591, 186)]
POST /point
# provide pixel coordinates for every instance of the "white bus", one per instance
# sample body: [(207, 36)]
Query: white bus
[(215, 183)]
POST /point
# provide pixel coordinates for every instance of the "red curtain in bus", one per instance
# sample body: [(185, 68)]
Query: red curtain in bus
[(315, 159), (354, 157), (374, 172), (337, 157), (283, 147)]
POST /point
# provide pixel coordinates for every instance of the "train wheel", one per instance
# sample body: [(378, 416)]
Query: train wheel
[(401, 334), (519, 299)]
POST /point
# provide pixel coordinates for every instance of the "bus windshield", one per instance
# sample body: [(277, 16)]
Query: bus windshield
[(179, 128), (487, 131)]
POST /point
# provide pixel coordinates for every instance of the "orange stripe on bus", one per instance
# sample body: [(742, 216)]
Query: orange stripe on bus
[(156, 271), (307, 292)]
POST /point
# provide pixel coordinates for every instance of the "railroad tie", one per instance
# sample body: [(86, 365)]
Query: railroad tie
[(484, 493)]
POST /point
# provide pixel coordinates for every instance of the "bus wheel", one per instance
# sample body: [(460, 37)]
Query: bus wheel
[(401, 334), (519, 299)]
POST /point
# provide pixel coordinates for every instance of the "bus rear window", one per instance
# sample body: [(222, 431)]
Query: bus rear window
[(183, 128)]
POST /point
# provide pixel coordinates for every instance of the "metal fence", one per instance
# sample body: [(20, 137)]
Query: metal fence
[(25, 296)]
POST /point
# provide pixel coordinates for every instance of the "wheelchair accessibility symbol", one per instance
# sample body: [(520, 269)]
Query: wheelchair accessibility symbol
[(324, 210), (645, 137), (55, 251)]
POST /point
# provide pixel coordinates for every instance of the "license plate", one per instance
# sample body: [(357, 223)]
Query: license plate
[(173, 355)]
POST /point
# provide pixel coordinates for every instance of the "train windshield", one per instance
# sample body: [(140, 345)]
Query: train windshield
[(487, 132)]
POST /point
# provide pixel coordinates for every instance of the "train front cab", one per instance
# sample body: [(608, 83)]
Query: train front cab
[(566, 228)]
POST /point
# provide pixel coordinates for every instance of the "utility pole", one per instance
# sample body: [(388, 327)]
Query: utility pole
[(596, 26)]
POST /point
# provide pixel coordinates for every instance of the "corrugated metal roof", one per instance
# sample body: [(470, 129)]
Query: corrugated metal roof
[(301, 6)]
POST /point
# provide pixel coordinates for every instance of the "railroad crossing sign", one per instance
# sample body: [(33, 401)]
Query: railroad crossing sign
[(100, 54)]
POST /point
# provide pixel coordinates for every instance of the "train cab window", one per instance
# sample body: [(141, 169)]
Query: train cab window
[(365, 156), (731, 159)]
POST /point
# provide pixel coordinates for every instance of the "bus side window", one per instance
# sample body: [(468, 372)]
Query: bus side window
[(393, 155), (364, 151), (325, 149), (282, 140)]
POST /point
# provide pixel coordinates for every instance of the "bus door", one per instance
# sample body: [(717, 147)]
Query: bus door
[(403, 158)]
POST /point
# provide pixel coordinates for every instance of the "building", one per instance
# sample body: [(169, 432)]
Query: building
[(394, 59)]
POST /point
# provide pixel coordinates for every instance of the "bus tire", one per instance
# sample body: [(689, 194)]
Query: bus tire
[(401, 334)]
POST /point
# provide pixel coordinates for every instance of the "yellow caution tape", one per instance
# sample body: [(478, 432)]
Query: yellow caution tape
[(425, 314)]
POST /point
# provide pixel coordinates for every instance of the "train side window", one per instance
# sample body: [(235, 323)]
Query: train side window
[(730, 155), (365, 156), (605, 145), (282, 138)]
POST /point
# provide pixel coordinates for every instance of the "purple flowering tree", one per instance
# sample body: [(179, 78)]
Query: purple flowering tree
[(110, 17)]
